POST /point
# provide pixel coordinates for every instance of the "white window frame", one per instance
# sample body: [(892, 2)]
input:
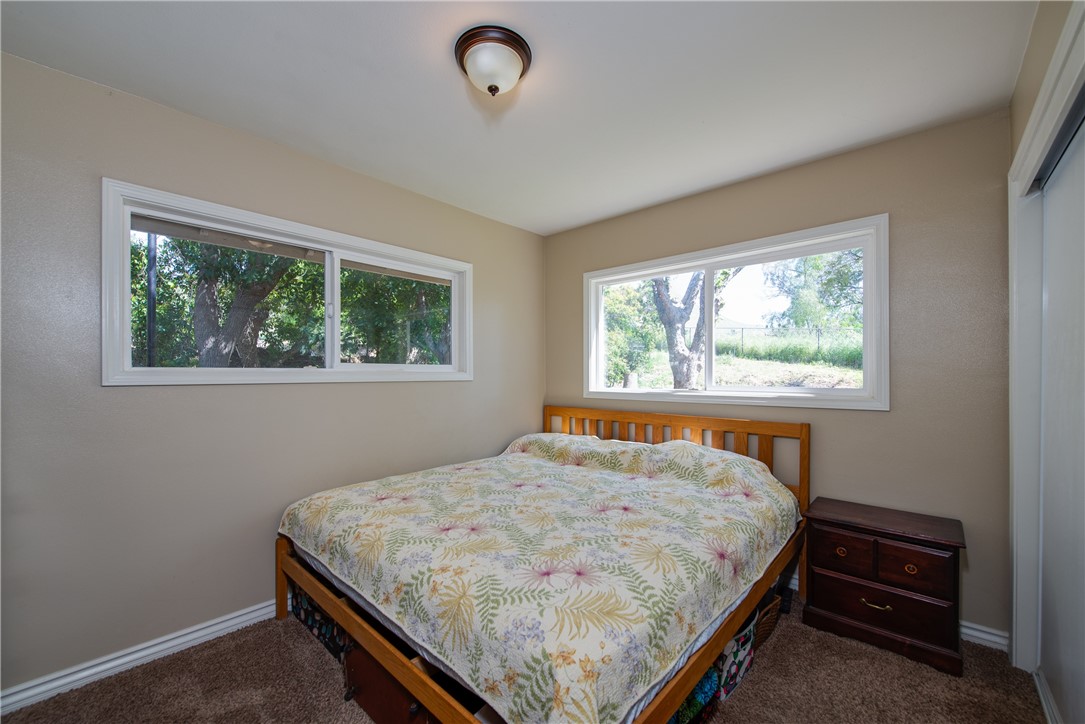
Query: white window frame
[(870, 233), (120, 200)]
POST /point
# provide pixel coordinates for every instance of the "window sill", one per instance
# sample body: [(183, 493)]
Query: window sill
[(243, 376), (791, 397)]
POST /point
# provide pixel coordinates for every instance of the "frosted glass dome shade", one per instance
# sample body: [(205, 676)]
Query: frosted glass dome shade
[(493, 67)]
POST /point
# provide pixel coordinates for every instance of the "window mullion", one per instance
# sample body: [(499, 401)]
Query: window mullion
[(455, 319), (331, 310), (126, 308), (601, 335), (708, 289), (600, 331)]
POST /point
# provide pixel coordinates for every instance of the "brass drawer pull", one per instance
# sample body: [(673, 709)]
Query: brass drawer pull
[(841, 551), (874, 605), (910, 569)]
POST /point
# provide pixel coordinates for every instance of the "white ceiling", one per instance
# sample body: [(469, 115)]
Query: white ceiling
[(626, 104)]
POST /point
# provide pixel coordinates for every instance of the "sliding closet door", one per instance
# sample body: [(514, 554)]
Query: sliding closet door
[(1062, 435)]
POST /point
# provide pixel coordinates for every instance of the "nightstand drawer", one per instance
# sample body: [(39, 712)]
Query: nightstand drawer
[(919, 569), (840, 550), (916, 617)]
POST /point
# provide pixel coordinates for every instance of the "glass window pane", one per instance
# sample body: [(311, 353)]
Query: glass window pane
[(393, 318), (791, 323), (198, 293), (224, 300), (655, 333)]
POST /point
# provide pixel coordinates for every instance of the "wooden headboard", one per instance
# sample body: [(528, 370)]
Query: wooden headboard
[(746, 437)]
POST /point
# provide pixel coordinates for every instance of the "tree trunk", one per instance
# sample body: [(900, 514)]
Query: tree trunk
[(247, 349), (205, 322), (686, 361), (217, 343)]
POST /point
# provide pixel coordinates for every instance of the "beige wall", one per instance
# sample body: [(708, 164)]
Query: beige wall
[(131, 513), (1046, 28), (941, 449)]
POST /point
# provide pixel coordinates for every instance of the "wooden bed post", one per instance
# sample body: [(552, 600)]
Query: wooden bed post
[(282, 550), (804, 499)]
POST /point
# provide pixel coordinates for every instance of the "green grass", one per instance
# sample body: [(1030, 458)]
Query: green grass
[(838, 350), (768, 365), (741, 372)]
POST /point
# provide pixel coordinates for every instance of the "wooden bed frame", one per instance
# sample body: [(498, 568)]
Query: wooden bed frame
[(719, 433)]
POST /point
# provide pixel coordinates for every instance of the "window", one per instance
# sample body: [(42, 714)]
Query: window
[(798, 320), (198, 293)]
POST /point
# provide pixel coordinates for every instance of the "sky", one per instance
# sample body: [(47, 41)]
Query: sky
[(747, 299)]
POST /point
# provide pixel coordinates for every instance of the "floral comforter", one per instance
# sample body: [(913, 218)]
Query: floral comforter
[(563, 578)]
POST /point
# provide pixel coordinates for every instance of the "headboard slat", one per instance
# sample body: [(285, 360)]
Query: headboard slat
[(742, 443), (764, 449)]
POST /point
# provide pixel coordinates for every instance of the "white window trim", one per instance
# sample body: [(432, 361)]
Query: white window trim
[(120, 200), (870, 233)]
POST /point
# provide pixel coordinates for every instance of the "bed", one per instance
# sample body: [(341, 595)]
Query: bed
[(593, 571)]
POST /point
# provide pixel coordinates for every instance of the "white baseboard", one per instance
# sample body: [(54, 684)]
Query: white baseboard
[(1047, 700), (42, 688), (990, 637)]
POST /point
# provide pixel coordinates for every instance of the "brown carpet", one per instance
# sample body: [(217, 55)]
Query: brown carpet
[(804, 675), (276, 672)]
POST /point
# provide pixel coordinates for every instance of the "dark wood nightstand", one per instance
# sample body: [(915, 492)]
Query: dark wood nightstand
[(886, 577)]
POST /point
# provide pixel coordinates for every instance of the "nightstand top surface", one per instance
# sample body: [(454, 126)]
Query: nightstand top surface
[(946, 531)]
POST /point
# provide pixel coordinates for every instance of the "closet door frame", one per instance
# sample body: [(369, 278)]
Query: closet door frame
[(1063, 81)]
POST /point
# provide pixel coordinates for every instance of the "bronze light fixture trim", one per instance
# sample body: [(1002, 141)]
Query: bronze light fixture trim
[(493, 58)]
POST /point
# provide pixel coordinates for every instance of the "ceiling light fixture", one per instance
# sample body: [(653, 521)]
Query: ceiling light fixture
[(494, 58)]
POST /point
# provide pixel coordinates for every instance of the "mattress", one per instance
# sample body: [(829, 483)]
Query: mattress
[(567, 578)]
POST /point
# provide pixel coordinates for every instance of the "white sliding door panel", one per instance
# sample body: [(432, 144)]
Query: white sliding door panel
[(1062, 435)]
